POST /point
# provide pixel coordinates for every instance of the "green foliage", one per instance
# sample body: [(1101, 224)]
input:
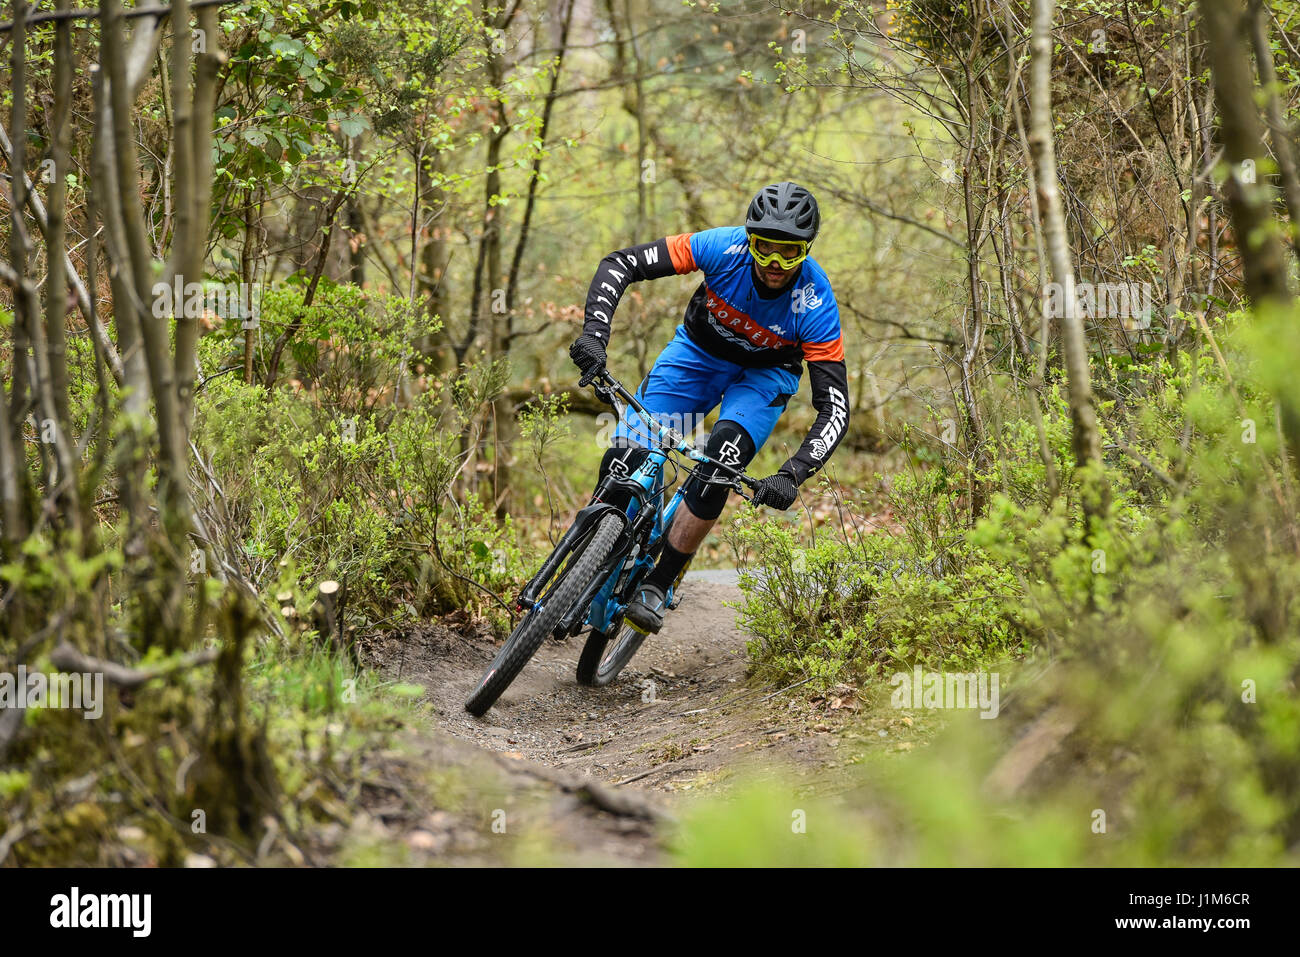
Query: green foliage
[(762, 827), (1172, 630), (330, 474), (857, 607), (289, 98), (138, 796)]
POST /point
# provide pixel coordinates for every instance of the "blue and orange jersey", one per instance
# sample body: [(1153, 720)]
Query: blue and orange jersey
[(737, 318), (731, 315)]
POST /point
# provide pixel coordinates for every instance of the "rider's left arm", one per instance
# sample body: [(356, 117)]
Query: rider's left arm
[(830, 389), (822, 342)]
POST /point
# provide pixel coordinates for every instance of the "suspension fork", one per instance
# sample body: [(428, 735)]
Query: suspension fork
[(583, 524), (634, 529), (643, 516)]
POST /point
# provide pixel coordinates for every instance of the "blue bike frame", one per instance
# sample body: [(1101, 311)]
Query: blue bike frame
[(605, 607), (602, 606)]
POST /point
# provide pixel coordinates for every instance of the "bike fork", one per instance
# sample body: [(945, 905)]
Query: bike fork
[(585, 521)]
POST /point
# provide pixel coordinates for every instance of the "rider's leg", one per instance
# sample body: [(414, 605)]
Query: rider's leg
[(702, 503), (700, 507), (688, 530), (684, 384), (751, 405)]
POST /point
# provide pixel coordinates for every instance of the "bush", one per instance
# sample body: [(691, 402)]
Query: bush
[(852, 608), (328, 474), (1169, 634)]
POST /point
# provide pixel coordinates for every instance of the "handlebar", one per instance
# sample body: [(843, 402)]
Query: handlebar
[(606, 385)]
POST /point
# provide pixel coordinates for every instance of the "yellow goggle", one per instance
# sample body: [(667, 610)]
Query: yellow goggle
[(775, 257)]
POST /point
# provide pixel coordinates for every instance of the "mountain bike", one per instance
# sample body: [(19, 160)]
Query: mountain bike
[(598, 564)]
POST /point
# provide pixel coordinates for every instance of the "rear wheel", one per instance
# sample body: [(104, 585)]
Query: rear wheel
[(564, 589), (603, 659)]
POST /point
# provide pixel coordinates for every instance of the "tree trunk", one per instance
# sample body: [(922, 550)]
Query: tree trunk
[(973, 334), (1225, 26), (1283, 145), (1083, 415)]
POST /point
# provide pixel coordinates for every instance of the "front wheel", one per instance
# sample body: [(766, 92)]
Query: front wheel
[(528, 636), (601, 662)]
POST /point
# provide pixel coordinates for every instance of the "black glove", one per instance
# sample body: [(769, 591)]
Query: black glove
[(588, 354), (777, 491)]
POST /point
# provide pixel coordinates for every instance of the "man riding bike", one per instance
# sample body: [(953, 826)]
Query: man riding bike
[(765, 308)]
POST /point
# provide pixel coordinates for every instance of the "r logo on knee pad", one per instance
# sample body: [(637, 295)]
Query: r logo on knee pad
[(731, 445), (729, 454)]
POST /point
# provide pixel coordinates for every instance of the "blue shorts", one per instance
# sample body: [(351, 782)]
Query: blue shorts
[(687, 383)]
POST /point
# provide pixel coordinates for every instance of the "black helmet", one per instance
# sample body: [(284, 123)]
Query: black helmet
[(784, 211)]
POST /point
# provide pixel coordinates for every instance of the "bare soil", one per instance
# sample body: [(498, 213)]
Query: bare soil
[(577, 774)]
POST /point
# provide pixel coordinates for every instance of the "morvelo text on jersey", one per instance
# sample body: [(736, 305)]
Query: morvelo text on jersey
[(737, 319)]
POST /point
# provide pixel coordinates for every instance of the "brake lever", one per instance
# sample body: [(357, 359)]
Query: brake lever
[(603, 391), (736, 482)]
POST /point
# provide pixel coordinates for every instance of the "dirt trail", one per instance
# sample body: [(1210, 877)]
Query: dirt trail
[(681, 718)]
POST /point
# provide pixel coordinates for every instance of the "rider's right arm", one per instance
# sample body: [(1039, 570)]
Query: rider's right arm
[(664, 257)]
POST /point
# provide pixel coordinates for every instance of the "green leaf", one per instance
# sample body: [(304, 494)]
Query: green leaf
[(354, 125), (287, 47)]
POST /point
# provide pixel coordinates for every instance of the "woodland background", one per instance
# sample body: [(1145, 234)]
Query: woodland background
[(382, 220)]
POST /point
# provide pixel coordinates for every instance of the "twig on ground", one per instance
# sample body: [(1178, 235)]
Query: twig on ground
[(623, 804)]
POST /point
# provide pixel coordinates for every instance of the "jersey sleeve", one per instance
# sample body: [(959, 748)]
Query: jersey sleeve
[(820, 335), (822, 342), (830, 391), (669, 256), (712, 249)]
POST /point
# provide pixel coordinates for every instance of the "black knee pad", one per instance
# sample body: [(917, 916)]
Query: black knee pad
[(621, 459), (730, 444)]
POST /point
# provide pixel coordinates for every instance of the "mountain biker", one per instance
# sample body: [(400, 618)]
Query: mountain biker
[(764, 308)]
